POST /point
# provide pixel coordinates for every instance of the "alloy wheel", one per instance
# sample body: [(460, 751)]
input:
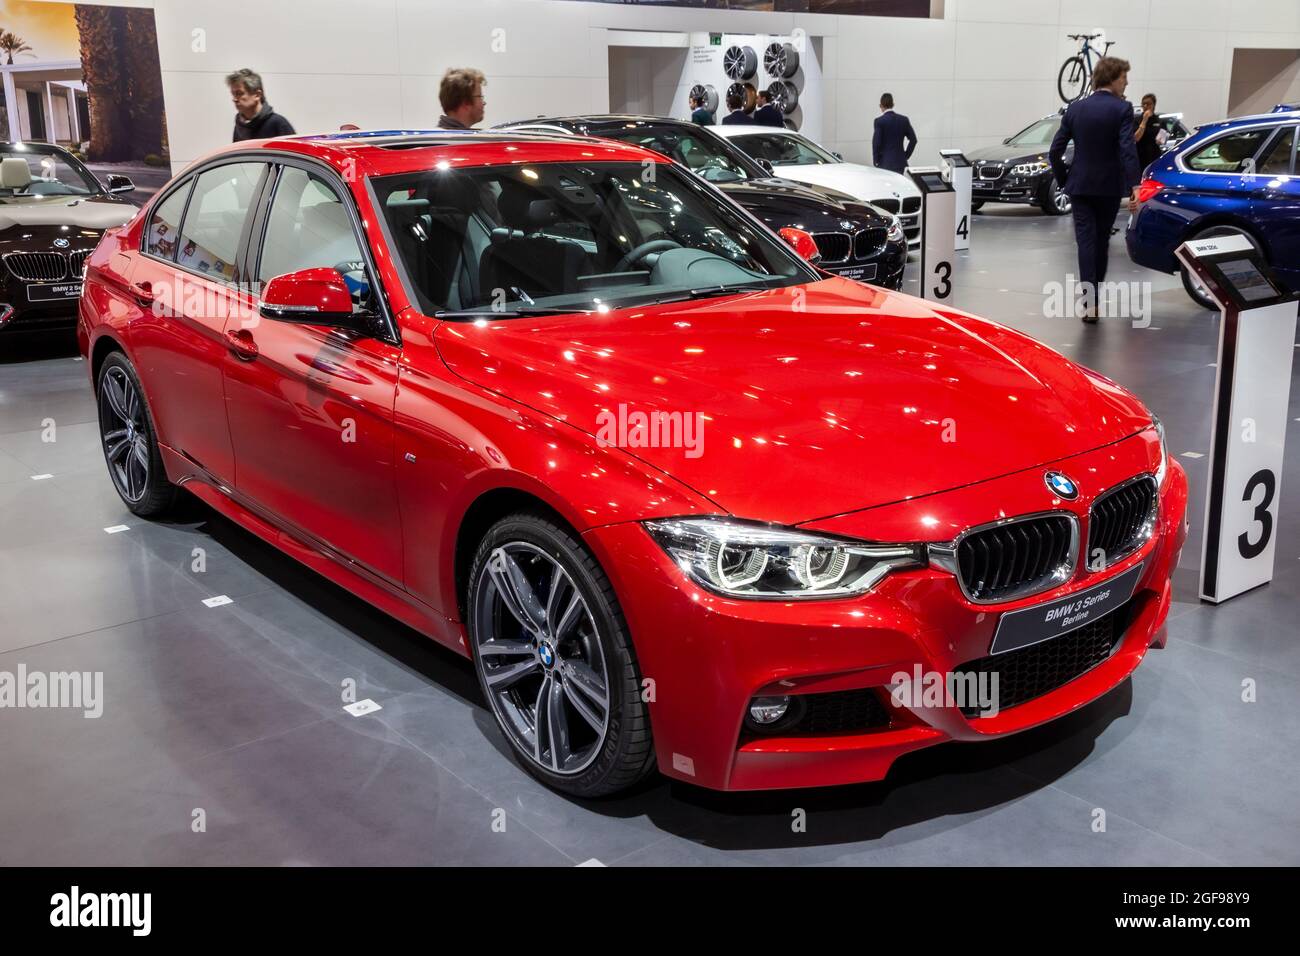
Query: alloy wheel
[(540, 657), (125, 434)]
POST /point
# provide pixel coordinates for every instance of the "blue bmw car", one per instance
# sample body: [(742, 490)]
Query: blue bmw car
[(1236, 177)]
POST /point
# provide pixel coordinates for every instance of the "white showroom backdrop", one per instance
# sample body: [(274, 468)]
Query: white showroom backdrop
[(977, 73)]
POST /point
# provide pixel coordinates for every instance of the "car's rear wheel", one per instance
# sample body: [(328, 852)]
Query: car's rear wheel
[(130, 441), (555, 660), (1199, 294), (976, 205)]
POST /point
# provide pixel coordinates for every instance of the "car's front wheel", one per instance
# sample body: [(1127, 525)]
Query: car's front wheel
[(130, 443), (1054, 201), (555, 660)]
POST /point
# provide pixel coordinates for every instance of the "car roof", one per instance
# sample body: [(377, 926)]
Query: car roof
[(387, 151), (742, 129), (596, 119)]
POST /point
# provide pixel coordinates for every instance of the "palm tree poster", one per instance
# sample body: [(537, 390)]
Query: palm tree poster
[(87, 78)]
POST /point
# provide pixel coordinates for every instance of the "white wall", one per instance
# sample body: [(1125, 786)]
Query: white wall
[(984, 70), (1261, 79)]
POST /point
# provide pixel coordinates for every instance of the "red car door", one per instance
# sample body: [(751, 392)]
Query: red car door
[(310, 406), (186, 283)]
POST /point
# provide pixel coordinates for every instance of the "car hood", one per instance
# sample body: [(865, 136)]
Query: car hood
[(78, 212), (1006, 154), (864, 182), (783, 203), (813, 401)]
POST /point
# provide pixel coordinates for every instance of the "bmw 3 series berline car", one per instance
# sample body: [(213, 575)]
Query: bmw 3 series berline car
[(684, 501)]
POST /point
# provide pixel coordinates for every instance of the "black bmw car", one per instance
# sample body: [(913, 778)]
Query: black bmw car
[(1018, 172), (52, 212), (856, 240)]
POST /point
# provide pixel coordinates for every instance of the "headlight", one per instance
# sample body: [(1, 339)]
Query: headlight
[(760, 561), (1030, 169), (1163, 468), (896, 233)]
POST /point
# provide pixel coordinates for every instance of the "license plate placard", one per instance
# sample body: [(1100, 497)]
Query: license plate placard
[(53, 292), (858, 273), (1042, 622)]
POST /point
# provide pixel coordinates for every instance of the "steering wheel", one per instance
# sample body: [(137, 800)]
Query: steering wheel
[(646, 249)]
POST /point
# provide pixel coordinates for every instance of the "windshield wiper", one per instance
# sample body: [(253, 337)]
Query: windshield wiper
[(712, 292), (523, 310)]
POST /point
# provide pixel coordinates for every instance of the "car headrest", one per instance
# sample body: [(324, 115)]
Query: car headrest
[(14, 173)]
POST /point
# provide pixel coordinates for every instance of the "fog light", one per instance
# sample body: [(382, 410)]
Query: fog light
[(768, 710)]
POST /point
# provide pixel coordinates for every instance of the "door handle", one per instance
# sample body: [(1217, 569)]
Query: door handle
[(143, 292), (240, 341)]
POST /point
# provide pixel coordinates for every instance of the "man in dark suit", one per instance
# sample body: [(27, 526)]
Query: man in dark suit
[(737, 116), (1104, 170), (700, 114), (887, 148), (767, 114)]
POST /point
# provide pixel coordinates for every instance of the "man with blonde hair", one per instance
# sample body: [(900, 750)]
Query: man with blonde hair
[(461, 96)]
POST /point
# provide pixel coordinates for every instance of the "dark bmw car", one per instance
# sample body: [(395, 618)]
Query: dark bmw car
[(52, 212), (855, 239), (1017, 171)]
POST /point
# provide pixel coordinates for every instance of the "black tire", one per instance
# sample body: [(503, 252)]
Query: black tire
[(625, 754), (1054, 202), (133, 458), (1072, 81), (1198, 295), (976, 205)]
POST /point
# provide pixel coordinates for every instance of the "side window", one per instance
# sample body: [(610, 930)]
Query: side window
[(1277, 158), (309, 228), (1227, 154), (165, 224), (209, 239)]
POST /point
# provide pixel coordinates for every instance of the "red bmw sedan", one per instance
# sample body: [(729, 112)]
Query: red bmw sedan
[(684, 500)]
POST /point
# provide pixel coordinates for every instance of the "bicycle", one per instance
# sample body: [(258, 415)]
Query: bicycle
[(1076, 72)]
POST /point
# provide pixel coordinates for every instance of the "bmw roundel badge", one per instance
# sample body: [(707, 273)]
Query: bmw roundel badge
[(546, 654), (60, 243), (1061, 486)]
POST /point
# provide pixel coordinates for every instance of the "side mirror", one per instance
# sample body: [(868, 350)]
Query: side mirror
[(804, 244), (120, 184), (839, 156), (1006, 141), (313, 296), (767, 165)]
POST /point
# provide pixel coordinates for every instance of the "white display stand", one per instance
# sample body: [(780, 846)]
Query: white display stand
[(938, 217), (959, 173), (1251, 394)]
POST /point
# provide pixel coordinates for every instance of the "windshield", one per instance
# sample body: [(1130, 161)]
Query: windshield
[(780, 150), (573, 237), (701, 153), (1039, 134), (29, 174)]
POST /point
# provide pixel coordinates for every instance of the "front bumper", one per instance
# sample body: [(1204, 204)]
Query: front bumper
[(884, 269), (1011, 189), (704, 657)]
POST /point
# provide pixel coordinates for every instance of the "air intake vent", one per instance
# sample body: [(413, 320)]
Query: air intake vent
[(1121, 521), (1017, 558)]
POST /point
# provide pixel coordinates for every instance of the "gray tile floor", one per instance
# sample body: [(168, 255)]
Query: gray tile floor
[(235, 711)]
